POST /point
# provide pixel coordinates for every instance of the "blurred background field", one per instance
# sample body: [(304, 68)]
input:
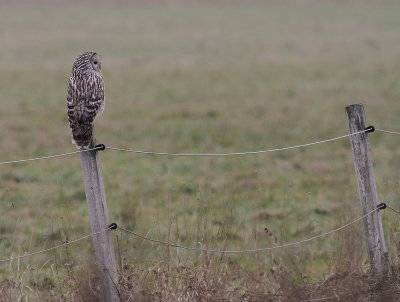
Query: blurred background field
[(193, 78)]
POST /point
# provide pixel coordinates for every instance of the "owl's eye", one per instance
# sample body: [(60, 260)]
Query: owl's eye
[(95, 62)]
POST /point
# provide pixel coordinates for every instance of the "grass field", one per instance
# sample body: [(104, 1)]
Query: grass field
[(196, 78)]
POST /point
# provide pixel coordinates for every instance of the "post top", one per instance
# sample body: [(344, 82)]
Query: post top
[(353, 106)]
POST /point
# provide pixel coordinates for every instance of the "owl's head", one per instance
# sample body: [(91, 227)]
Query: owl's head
[(87, 62)]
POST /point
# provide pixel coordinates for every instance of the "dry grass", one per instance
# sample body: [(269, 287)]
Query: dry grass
[(212, 279)]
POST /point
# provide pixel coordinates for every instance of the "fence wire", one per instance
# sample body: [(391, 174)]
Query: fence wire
[(246, 250), (237, 153), (185, 154), (115, 226), (387, 131), (54, 247), (46, 157), (199, 154)]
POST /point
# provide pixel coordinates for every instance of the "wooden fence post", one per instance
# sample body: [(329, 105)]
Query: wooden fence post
[(99, 221), (378, 256)]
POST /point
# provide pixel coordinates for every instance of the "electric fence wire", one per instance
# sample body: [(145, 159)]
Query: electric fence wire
[(114, 226), (102, 147), (238, 153), (54, 247), (47, 157), (387, 131), (247, 250), (393, 210)]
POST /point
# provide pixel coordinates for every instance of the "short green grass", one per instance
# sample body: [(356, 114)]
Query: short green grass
[(197, 78)]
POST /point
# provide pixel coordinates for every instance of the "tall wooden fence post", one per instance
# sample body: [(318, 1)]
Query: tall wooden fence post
[(378, 256), (99, 221)]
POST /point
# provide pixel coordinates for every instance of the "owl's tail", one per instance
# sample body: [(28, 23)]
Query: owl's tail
[(82, 135)]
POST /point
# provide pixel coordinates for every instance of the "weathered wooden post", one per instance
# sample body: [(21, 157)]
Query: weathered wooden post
[(99, 221), (378, 256)]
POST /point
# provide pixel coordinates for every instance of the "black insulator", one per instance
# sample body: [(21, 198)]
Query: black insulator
[(381, 206), (369, 129), (101, 147), (113, 226)]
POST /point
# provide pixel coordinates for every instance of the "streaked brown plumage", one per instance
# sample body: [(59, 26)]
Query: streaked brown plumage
[(85, 97)]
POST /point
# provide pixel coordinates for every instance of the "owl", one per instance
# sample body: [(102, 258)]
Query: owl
[(85, 97)]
